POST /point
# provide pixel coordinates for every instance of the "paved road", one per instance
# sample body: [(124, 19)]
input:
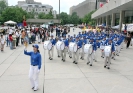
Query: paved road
[(66, 77)]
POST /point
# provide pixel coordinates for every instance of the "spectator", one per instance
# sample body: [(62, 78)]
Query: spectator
[(29, 36), (2, 42), (14, 40), (11, 41), (17, 38), (128, 40), (7, 39)]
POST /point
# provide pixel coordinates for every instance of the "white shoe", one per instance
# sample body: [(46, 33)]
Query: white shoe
[(35, 89)]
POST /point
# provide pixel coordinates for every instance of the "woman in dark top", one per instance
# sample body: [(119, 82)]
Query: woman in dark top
[(128, 40)]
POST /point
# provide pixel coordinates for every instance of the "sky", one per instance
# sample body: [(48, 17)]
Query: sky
[(65, 4)]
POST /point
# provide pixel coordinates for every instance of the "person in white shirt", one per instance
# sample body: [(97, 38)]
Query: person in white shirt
[(14, 40), (10, 31), (2, 42)]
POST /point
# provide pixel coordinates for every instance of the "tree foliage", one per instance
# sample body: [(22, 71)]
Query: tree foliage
[(3, 6), (69, 19), (46, 16), (15, 14), (64, 18), (74, 18), (31, 14), (87, 19)]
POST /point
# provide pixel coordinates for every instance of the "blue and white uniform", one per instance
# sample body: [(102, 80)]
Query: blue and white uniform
[(35, 62), (76, 54), (108, 59), (63, 52), (50, 52)]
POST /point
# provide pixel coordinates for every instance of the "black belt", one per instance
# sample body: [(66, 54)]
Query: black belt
[(34, 65)]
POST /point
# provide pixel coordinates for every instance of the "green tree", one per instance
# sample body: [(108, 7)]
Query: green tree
[(31, 14), (41, 16), (74, 18), (50, 15), (88, 19), (3, 6), (15, 13), (64, 18), (45, 16)]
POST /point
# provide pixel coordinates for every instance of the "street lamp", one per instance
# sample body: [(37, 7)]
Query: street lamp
[(59, 12), (96, 5)]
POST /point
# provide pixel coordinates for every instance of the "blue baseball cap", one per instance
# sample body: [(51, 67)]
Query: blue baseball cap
[(71, 37), (84, 36), (77, 37), (35, 46)]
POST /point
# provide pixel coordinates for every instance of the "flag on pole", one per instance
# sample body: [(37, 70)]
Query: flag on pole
[(24, 21), (101, 4), (107, 1)]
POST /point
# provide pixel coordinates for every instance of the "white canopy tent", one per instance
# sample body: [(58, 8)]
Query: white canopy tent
[(129, 27), (116, 27), (10, 22)]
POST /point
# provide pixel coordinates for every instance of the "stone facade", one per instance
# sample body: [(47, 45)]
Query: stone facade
[(37, 7), (85, 7)]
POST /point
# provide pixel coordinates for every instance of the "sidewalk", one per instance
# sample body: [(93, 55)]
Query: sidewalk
[(66, 77)]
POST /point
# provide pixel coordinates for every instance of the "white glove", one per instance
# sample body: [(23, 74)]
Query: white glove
[(38, 71), (25, 48)]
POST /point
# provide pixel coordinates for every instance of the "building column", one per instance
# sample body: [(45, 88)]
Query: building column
[(102, 20), (121, 19), (107, 21), (96, 22), (113, 20)]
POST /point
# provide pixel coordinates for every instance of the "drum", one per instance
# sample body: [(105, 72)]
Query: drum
[(47, 45), (132, 41), (107, 51), (88, 49), (60, 45), (73, 47), (102, 47)]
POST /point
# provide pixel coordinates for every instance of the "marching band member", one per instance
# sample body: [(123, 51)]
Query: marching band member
[(115, 44), (89, 58), (79, 34), (118, 44), (74, 37), (68, 42), (84, 42), (94, 49), (76, 54), (98, 43), (50, 52), (35, 66), (108, 59), (81, 41), (71, 40), (102, 46), (58, 51), (63, 52)]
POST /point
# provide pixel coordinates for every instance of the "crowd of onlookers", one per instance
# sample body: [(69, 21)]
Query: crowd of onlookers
[(13, 37)]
